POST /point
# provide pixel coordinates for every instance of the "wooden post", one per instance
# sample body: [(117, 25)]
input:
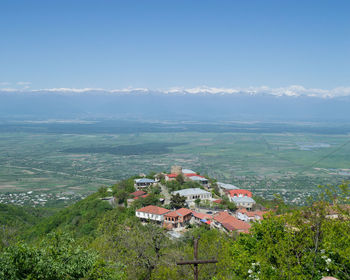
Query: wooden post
[(196, 262)]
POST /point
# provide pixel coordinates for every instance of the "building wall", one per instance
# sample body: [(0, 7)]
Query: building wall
[(149, 216), (201, 196)]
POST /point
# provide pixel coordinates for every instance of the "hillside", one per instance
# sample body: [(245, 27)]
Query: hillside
[(14, 220), (93, 240), (81, 218)]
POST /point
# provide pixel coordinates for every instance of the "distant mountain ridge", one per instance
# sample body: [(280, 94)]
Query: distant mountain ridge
[(203, 105)]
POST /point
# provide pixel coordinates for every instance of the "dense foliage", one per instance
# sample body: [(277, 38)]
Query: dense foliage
[(111, 243), (57, 257)]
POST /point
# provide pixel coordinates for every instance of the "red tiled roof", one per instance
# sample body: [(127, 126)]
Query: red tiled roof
[(184, 211), (138, 193), (242, 210), (231, 223), (217, 201), (193, 175), (240, 192), (153, 210), (252, 213), (179, 212), (172, 175), (202, 215)]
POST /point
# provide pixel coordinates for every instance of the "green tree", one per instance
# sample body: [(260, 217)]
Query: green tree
[(57, 257), (180, 179), (177, 201), (140, 247), (302, 244), (150, 199), (228, 204)]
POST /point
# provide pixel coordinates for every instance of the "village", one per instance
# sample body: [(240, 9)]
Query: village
[(202, 205)]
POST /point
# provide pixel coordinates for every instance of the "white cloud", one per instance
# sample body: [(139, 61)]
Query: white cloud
[(4, 83)]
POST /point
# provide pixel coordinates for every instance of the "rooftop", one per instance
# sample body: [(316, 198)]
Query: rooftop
[(142, 196), (231, 223), (187, 171), (180, 212), (192, 174), (138, 193), (243, 199), (144, 180), (240, 192), (252, 213), (197, 178), (202, 215), (192, 191), (227, 186), (153, 210)]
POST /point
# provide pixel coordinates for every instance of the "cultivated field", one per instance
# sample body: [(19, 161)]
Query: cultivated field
[(291, 164)]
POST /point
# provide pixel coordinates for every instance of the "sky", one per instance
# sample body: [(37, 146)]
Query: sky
[(166, 44)]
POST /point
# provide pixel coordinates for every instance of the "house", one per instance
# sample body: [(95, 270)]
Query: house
[(138, 194), (243, 202), (223, 188), (198, 178), (226, 222), (200, 218), (185, 171), (177, 218), (110, 199), (239, 193), (248, 216), (171, 177), (188, 175), (141, 196), (143, 183), (242, 198), (193, 194), (151, 212)]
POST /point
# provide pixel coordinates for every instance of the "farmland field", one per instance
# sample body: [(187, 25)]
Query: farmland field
[(289, 163)]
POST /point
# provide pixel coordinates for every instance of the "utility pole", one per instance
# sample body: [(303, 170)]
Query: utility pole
[(196, 262)]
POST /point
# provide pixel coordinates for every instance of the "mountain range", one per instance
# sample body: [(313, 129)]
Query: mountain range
[(197, 104)]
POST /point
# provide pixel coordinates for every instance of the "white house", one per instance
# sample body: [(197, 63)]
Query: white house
[(187, 171), (200, 179), (143, 183), (151, 212), (248, 216), (225, 187), (245, 202), (193, 194)]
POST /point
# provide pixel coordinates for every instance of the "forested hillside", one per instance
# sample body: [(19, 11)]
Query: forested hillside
[(94, 240)]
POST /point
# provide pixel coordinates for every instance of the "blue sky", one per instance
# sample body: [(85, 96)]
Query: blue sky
[(164, 44)]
